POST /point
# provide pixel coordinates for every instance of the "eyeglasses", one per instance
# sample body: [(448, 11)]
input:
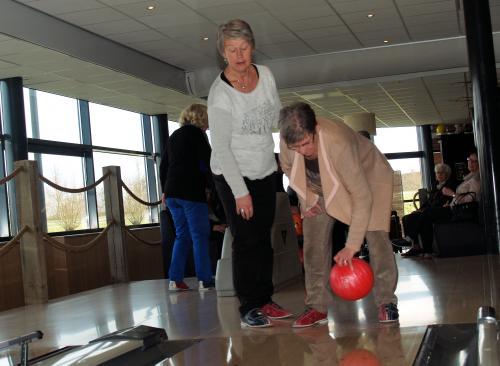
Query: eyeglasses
[(472, 160), (307, 141)]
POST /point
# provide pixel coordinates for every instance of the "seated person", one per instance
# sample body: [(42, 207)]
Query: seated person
[(412, 221), (467, 191)]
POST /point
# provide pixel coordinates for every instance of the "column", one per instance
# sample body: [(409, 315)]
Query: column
[(486, 113), (113, 198), (32, 245)]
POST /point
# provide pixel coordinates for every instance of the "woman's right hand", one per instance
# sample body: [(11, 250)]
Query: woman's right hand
[(244, 207), (313, 211)]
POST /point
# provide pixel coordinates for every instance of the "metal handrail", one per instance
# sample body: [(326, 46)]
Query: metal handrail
[(23, 341)]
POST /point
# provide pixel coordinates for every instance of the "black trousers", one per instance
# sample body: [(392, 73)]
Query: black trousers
[(430, 216), (252, 250), (412, 224)]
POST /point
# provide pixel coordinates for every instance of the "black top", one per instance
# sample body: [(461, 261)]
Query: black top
[(187, 165), (436, 196)]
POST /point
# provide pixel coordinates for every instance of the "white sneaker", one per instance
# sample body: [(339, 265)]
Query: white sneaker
[(205, 285)]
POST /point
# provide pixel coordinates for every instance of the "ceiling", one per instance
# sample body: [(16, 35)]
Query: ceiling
[(326, 52)]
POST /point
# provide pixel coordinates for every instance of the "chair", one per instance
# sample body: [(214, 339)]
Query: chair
[(459, 238)]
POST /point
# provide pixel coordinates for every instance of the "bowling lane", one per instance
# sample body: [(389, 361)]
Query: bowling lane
[(430, 291)]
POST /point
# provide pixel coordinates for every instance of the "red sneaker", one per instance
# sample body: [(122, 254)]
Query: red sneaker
[(178, 286), (274, 311), (309, 318)]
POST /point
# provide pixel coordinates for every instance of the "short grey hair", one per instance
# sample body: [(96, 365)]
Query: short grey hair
[(296, 122), (444, 168), (234, 29)]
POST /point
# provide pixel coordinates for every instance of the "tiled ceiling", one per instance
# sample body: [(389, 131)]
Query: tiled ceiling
[(127, 70)]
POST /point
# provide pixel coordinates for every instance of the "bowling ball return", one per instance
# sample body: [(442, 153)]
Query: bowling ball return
[(138, 346)]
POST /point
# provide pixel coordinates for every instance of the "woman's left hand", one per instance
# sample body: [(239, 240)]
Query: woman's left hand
[(244, 207), (447, 191)]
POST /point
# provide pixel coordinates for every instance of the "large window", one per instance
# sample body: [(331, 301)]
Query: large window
[(133, 174), (112, 127), (398, 140), (64, 211), (72, 140), (57, 118)]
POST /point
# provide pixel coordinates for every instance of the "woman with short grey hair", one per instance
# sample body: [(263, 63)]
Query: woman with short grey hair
[(443, 173)]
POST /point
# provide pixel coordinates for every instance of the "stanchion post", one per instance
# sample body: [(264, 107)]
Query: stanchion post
[(32, 248), (113, 197)]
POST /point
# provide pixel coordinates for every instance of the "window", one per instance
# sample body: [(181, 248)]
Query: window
[(27, 112), (133, 174), (172, 126), (116, 128), (402, 139), (65, 211), (396, 139), (57, 118)]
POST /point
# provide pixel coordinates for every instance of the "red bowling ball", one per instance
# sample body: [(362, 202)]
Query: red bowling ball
[(360, 357), (352, 283)]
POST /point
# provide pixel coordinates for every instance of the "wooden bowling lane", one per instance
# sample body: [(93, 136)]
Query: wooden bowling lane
[(430, 291), (316, 346)]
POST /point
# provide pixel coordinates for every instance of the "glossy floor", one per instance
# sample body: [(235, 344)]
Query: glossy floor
[(430, 291)]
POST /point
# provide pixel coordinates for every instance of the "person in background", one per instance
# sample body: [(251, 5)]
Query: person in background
[(467, 191), (188, 162), (243, 108), (217, 226), (338, 175), (437, 198)]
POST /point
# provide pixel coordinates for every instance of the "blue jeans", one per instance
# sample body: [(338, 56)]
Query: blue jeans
[(191, 226)]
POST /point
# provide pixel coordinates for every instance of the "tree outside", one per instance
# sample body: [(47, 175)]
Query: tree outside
[(135, 212), (65, 211)]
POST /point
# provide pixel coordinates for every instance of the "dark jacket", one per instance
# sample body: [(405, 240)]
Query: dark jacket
[(186, 166)]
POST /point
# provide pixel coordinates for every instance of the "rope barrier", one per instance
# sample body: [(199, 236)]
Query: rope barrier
[(10, 176), (137, 198), (12, 242), (76, 248), (129, 233), (73, 190)]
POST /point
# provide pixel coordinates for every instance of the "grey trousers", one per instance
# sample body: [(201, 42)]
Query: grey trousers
[(318, 263)]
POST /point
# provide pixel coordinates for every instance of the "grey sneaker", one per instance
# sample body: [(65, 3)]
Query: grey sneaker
[(255, 318)]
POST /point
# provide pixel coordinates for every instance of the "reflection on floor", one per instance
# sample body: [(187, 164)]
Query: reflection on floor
[(430, 291)]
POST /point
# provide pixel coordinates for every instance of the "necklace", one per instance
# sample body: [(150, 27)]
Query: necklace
[(243, 85)]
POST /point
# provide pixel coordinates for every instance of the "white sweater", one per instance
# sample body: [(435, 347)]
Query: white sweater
[(241, 127)]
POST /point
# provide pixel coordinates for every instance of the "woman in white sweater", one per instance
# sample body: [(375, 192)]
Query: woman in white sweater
[(243, 108)]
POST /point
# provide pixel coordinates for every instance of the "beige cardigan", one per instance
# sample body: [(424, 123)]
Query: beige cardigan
[(356, 178)]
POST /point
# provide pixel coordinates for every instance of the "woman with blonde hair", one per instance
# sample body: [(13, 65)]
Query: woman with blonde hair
[(186, 171)]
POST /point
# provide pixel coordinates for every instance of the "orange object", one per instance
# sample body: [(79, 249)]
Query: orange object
[(360, 357), (297, 221)]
